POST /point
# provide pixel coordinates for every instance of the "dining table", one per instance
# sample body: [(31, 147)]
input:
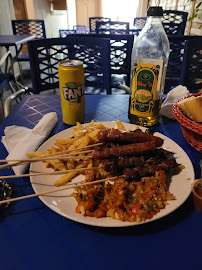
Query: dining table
[(33, 236), (15, 41)]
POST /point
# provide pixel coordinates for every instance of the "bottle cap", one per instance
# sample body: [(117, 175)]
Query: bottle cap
[(155, 11)]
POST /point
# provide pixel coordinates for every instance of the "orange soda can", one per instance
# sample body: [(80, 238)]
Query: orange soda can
[(72, 93)]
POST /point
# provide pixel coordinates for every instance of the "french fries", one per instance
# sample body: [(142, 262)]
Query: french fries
[(82, 136), (69, 176), (36, 154), (120, 125)]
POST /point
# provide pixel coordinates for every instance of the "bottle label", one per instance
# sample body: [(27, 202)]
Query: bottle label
[(145, 86)]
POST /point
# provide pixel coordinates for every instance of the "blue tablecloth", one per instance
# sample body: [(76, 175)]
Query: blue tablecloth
[(34, 237)]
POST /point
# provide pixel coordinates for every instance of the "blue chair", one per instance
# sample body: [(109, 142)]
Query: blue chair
[(191, 73), (7, 78), (94, 53), (139, 22), (93, 20), (112, 27), (64, 32), (80, 29), (120, 56), (174, 22), (173, 74), (28, 27)]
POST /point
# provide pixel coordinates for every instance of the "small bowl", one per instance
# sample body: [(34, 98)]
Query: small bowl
[(197, 195)]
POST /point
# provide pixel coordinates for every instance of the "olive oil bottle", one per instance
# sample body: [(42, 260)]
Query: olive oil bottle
[(148, 69)]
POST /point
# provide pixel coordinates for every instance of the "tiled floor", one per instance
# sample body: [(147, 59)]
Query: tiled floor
[(28, 82)]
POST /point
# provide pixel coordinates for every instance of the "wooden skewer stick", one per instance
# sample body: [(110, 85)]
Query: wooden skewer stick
[(55, 190), (62, 152), (75, 149), (58, 156), (48, 173), (25, 161)]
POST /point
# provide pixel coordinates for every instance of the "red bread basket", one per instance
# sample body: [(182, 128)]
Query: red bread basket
[(191, 130)]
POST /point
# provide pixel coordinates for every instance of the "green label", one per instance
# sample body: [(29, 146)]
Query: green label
[(144, 86)]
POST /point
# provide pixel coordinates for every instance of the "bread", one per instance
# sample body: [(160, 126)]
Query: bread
[(192, 107)]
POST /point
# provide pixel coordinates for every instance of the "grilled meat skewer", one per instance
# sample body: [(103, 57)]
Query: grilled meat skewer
[(140, 168), (119, 136), (124, 150), (135, 174)]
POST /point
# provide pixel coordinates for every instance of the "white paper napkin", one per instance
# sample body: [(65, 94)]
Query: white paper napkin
[(173, 96), (20, 140)]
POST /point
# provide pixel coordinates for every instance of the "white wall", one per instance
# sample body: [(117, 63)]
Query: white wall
[(71, 10), (53, 20), (6, 15), (142, 8), (119, 10)]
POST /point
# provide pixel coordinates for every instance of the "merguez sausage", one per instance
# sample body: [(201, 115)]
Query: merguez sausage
[(119, 136), (124, 150)]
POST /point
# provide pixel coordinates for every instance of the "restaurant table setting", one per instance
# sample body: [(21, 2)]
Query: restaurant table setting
[(45, 232)]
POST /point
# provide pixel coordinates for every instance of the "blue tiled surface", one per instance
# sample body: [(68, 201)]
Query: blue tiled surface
[(99, 108), (32, 108)]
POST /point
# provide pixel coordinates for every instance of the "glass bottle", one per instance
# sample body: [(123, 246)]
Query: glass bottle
[(148, 69)]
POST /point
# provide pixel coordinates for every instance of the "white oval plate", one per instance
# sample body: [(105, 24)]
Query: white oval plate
[(64, 204)]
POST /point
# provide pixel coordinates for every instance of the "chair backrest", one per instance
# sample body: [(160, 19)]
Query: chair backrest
[(64, 32), (29, 27), (139, 22), (93, 20), (174, 22), (177, 44), (80, 29), (191, 74), (45, 54), (44, 57), (112, 27), (120, 52), (95, 55), (120, 55)]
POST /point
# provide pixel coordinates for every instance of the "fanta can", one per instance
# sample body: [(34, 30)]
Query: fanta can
[(72, 93)]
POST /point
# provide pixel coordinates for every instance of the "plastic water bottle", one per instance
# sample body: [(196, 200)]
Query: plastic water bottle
[(149, 63)]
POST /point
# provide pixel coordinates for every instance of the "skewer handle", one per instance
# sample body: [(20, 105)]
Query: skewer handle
[(25, 161), (55, 190), (47, 173)]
